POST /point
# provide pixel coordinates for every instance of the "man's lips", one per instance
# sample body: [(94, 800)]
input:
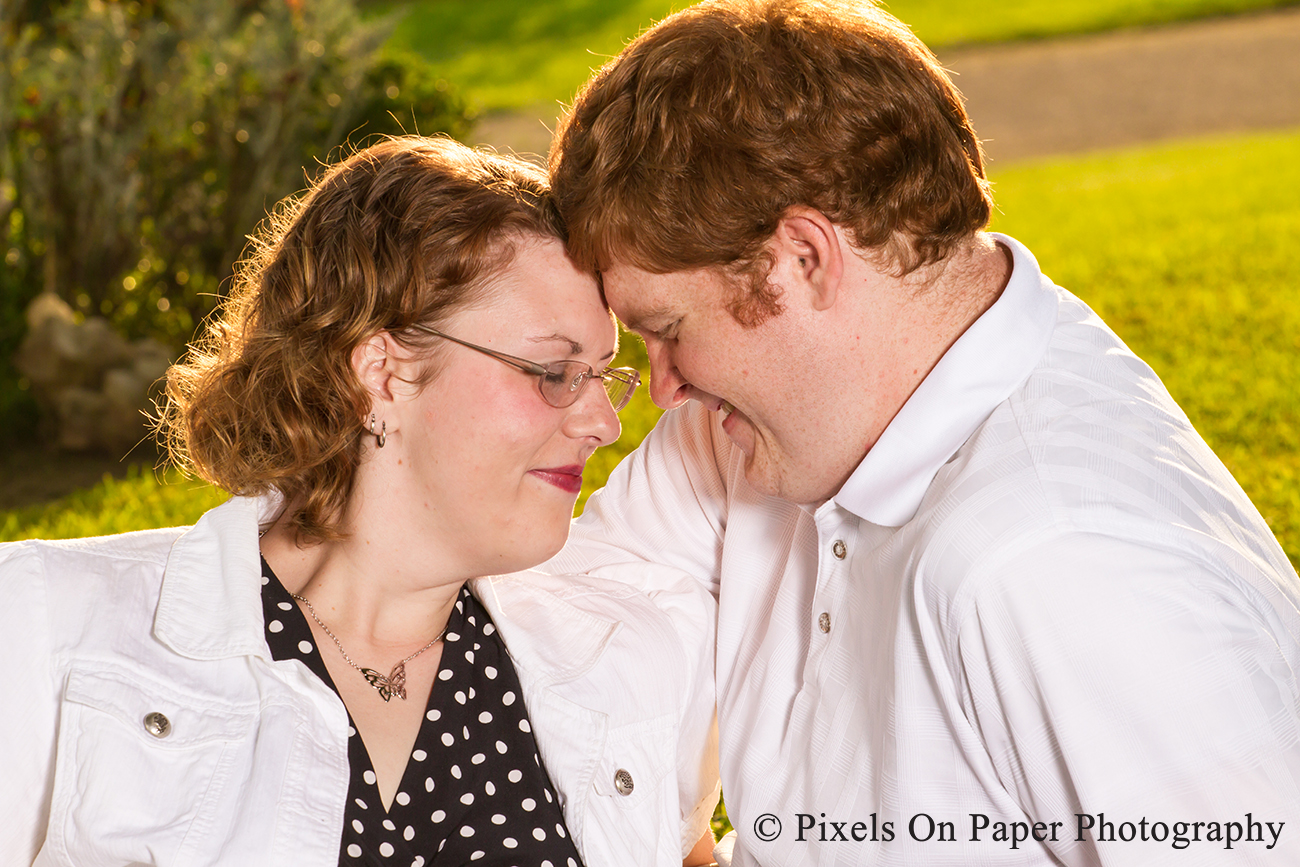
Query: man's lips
[(731, 426), (568, 479), (728, 418)]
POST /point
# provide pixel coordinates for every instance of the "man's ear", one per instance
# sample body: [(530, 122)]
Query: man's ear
[(807, 246)]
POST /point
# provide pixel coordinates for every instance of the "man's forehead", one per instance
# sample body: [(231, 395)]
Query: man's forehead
[(634, 290), (653, 293)]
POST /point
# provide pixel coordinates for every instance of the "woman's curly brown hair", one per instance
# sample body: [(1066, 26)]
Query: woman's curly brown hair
[(406, 231)]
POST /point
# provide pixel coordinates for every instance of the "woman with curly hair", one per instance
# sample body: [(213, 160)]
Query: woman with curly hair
[(330, 668)]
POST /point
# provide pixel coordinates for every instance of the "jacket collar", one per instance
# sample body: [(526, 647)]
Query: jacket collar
[(210, 606), (988, 362), (560, 641)]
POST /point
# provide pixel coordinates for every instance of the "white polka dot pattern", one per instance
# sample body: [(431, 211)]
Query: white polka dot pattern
[(463, 797)]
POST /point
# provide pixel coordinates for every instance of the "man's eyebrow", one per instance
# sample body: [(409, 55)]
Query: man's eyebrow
[(575, 347)]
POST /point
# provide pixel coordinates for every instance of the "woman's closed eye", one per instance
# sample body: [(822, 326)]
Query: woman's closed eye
[(566, 375)]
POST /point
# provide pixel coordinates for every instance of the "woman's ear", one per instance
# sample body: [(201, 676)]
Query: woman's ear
[(376, 362)]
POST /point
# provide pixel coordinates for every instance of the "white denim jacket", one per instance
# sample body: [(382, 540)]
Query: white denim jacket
[(97, 634)]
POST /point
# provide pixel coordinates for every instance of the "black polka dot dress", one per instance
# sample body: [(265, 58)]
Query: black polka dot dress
[(474, 790)]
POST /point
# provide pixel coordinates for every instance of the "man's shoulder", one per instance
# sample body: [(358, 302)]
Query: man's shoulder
[(1090, 446)]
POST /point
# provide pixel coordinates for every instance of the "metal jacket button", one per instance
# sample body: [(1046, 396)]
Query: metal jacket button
[(623, 782), (824, 622), (839, 549), (157, 725)]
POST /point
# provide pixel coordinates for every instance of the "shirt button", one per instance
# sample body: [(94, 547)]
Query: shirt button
[(623, 782), (839, 549), (824, 622), (157, 725)]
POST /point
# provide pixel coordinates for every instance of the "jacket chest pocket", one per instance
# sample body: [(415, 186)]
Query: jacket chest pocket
[(139, 772), (635, 791)]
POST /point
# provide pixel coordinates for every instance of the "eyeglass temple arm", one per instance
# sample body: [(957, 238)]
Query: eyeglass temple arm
[(622, 374), (521, 363)]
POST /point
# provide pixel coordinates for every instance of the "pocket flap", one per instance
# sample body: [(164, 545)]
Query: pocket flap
[(191, 720)]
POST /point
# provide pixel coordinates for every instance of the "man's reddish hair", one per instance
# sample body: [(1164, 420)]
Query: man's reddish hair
[(686, 150)]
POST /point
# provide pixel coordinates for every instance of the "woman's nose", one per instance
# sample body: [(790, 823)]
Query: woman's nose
[(592, 415)]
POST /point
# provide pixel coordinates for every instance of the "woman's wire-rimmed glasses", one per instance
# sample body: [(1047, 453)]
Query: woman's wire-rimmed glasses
[(560, 382)]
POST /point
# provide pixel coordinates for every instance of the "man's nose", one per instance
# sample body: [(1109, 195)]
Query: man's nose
[(668, 388)]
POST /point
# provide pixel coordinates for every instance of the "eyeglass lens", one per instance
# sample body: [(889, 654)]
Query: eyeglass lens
[(619, 391), (564, 380)]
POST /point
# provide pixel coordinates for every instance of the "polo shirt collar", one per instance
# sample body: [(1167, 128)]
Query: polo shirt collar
[(988, 362)]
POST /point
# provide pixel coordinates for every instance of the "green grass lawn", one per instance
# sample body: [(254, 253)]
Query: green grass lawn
[(1190, 251), (517, 53), (138, 502)]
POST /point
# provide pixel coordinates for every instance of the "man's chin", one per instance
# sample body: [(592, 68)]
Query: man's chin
[(768, 480), (763, 478)]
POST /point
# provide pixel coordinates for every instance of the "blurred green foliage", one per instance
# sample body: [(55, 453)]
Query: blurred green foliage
[(521, 53), (141, 141)]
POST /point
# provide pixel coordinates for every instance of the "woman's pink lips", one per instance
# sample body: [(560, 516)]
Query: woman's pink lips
[(565, 478)]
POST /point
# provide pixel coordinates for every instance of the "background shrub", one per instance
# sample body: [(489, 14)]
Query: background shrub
[(140, 141)]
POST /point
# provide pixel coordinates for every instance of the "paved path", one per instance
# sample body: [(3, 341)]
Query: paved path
[(1073, 95), (1082, 93)]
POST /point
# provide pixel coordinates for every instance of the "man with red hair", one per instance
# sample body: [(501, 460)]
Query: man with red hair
[(985, 596)]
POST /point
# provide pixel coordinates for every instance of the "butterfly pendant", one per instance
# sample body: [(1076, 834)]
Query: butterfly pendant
[(393, 685)]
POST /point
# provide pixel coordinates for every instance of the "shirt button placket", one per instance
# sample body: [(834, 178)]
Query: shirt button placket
[(839, 551)]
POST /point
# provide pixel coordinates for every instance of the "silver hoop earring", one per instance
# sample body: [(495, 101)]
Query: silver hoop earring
[(383, 434)]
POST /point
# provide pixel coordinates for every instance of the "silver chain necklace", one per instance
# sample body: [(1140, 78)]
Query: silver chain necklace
[(395, 683)]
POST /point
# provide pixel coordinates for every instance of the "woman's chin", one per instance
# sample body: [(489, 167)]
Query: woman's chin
[(533, 552)]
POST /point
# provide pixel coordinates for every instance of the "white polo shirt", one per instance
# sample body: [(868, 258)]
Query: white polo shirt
[(1040, 598)]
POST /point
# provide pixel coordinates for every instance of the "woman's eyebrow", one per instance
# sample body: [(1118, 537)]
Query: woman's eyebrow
[(575, 348)]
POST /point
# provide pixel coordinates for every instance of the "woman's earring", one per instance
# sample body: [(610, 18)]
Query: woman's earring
[(382, 436)]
